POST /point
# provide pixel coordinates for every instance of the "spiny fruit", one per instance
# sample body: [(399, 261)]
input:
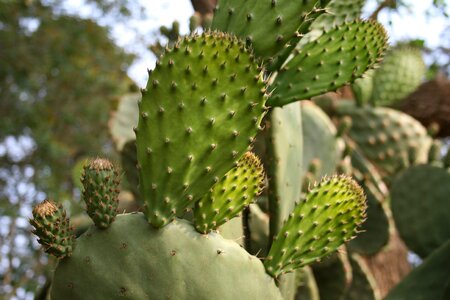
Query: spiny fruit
[(101, 182), (53, 229)]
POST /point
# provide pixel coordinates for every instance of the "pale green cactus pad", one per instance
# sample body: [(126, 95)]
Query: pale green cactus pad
[(133, 260), (201, 110), (329, 216)]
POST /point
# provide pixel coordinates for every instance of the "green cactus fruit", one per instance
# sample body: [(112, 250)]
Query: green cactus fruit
[(420, 205), (133, 260), (228, 197), (430, 280), (201, 110), (332, 276), (400, 73), (363, 285), (267, 24), (285, 166), (101, 189), (329, 216), (319, 139), (362, 88), (375, 230), (124, 119), (53, 228), (390, 139), (339, 56)]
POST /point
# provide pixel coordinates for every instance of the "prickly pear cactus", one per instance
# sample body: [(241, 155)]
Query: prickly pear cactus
[(198, 116), (421, 207), (390, 139), (400, 73), (186, 142)]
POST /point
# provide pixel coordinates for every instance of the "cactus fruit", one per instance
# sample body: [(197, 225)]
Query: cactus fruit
[(217, 99), (133, 260), (340, 55), (421, 205), (228, 197), (53, 229), (329, 216), (101, 182), (400, 73), (390, 139)]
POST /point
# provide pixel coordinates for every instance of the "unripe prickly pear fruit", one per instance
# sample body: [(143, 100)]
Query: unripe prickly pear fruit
[(53, 229), (101, 181)]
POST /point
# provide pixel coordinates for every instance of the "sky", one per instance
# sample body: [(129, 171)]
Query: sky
[(401, 25)]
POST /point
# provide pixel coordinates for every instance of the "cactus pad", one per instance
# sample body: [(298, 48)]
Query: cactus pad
[(228, 197), (133, 260), (430, 280), (101, 189), (420, 205), (339, 56), (328, 216), (201, 110), (53, 229), (400, 73), (267, 24), (392, 140)]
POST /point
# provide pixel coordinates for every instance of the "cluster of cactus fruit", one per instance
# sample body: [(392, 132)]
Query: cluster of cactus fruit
[(211, 100)]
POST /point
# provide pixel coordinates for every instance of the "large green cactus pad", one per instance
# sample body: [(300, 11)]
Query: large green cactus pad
[(133, 260), (400, 73), (228, 197), (420, 202), (328, 216), (392, 140), (267, 24), (339, 56), (201, 110), (285, 165), (430, 280)]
